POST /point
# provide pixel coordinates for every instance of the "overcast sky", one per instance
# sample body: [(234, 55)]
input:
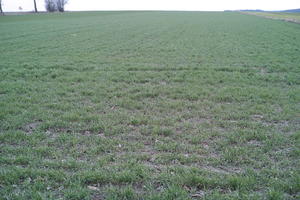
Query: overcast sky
[(204, 5)]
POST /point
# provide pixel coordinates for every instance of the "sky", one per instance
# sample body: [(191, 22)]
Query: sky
[(202, 5)]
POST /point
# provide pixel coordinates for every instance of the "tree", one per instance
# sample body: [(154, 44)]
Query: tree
[(1, 11), (60, 5), (35, 8), (50, 5), (55, 5)]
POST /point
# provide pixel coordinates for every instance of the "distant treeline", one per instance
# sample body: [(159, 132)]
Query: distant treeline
[(258, 10)]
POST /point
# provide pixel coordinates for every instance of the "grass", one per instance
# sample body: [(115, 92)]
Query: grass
[(149, 105)]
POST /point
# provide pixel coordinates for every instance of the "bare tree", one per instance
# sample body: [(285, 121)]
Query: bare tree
[(60, 5), (35, 8), (50, 5), (1, 11)]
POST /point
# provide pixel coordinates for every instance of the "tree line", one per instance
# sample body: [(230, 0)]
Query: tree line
[(50, 5)]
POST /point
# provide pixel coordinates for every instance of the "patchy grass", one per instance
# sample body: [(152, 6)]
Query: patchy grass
[(285, 16), (149, 105)]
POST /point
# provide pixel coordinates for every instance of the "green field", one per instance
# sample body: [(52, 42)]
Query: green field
[(149, 105)]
